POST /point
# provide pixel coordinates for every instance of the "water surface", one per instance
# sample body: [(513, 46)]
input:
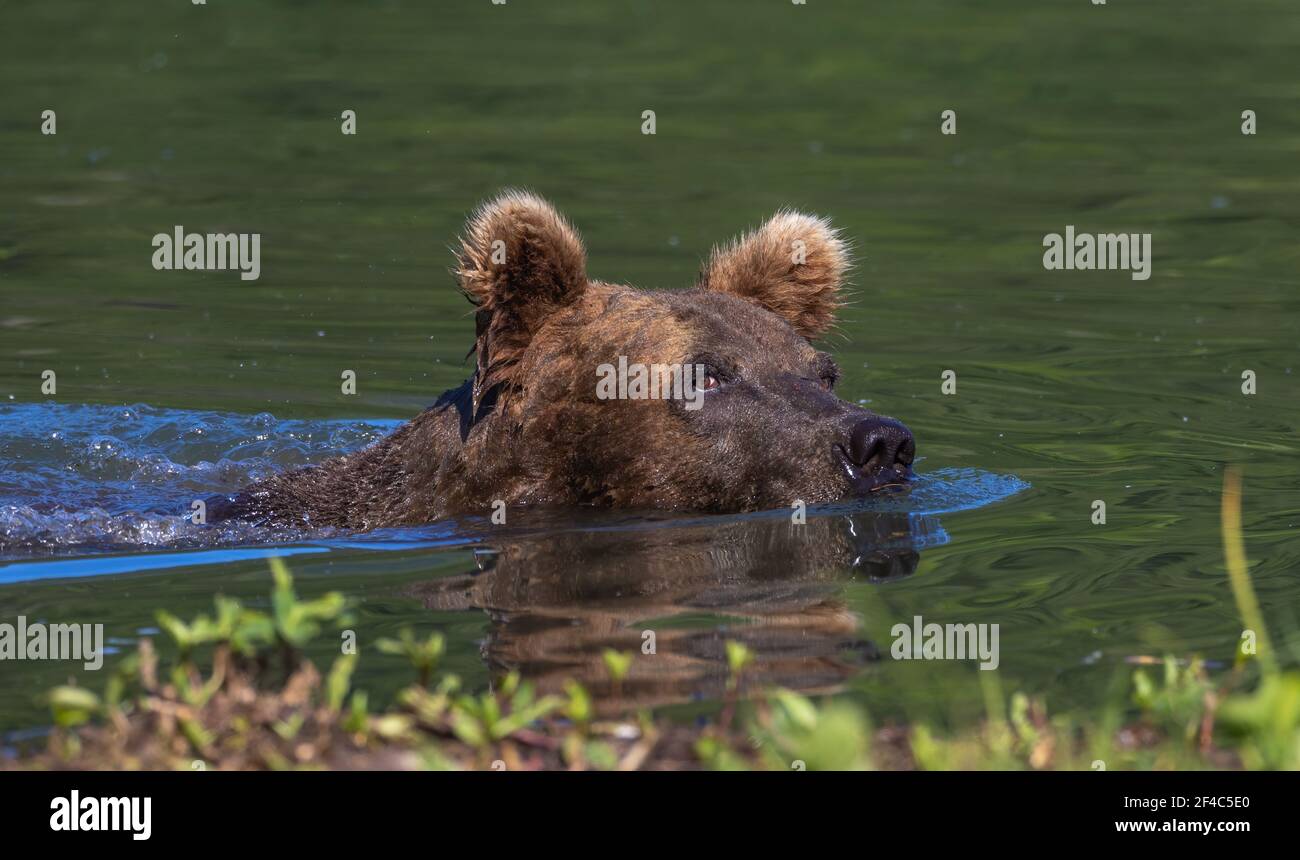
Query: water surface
[(1072, 386)]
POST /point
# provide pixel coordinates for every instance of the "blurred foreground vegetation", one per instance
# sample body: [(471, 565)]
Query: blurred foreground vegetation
[(256, 702)]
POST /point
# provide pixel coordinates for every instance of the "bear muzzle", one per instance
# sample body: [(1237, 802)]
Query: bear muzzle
[(879, 454)]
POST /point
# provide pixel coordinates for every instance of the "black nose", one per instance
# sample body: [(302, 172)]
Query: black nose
[(881, 443)]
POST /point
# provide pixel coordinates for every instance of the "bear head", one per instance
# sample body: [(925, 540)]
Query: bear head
[(712, 398)]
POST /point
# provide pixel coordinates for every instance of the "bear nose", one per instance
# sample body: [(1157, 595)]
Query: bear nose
[(881, 443)]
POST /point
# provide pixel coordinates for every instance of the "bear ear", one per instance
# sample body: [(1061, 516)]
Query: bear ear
[(519, 261), (793, 265)]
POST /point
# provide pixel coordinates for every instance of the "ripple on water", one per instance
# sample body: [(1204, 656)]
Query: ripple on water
[(101, 478)]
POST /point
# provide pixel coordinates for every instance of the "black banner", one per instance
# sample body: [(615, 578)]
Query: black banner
[(337, 809)]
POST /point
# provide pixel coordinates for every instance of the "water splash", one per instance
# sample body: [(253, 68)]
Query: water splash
[(90, 480), (100, 478)]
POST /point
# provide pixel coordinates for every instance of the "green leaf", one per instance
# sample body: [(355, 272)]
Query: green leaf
[(738, 656), (617, 663), (516, 720), (468, 729), (339, 680), (252, 629), (357, 713), (72, 706), (578, 708), (601, 755), (390, 646), (392, 726), (798, 711), (289, 727), (200, 738), (178, 630)]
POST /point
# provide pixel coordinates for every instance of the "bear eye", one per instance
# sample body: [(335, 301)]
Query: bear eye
[(714, 372)]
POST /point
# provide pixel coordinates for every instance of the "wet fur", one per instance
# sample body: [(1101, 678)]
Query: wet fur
[(528, 429)]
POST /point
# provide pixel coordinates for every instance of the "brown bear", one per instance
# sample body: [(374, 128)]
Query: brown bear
[(757, 424)]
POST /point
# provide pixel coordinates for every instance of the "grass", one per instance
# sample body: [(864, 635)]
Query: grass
[(256, 702)]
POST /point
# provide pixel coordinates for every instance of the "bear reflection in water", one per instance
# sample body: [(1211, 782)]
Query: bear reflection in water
[(556, 603)]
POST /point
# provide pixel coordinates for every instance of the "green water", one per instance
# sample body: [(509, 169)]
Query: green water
[(1087, 385)]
